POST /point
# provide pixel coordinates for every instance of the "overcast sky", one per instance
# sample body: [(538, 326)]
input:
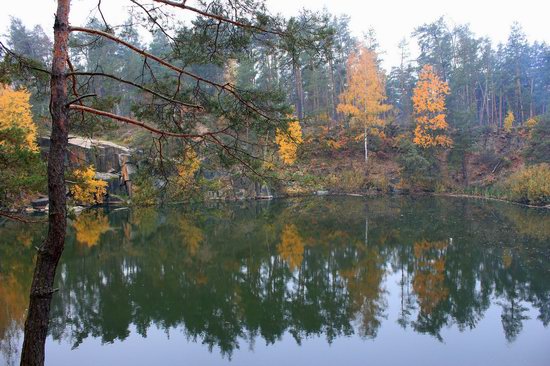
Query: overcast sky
[(391, 19)]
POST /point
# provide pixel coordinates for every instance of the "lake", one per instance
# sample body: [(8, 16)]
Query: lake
[(322, 280)]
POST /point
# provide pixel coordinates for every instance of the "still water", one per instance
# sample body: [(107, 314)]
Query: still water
[(324, 281)]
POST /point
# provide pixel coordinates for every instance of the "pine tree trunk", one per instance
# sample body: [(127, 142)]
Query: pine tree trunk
[(500, 110), (531, 107), (334, 98), (299, 91), (518, 94), (36, 325)]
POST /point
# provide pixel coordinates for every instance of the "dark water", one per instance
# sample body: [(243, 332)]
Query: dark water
[(324, 281)]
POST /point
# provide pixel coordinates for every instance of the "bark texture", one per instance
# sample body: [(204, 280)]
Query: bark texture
[(36, 325)]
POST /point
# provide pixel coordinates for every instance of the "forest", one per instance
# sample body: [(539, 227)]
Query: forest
[(230, 102), (466, 116)]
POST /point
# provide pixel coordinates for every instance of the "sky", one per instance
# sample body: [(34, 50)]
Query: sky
[(391, 19)]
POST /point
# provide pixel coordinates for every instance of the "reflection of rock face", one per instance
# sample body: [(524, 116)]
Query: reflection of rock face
[(223, 275), (236, 188)]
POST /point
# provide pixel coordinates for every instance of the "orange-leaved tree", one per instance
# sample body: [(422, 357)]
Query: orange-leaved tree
[(429, 108), (365, 93)]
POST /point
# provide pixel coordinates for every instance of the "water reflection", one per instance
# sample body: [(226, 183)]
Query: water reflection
[(16, 265), (89, 226), (313, 267)]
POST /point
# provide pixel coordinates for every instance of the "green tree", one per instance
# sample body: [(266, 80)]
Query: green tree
[(538, 149)]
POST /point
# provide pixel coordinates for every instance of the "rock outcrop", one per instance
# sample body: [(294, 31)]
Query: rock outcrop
[(113, 162)]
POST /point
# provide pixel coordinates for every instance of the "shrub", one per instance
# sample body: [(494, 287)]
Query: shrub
[(380, 183), (530, 185), (22, 171), (348, 180), (145, 193), (489, 158)]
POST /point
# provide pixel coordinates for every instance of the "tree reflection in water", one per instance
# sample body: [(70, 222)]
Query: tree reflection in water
[(310, 267)]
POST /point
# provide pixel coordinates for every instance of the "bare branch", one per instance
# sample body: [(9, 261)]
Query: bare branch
[(107, 27), (140, 124), (141, 87), (23, 61), (234, 156), (184, 6), (14, 217), (153, 20), (229, 88), (79, 99)]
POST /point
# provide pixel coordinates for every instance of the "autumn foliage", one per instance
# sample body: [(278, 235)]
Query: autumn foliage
[(15, 112), (364, 96), (291, 247), (89, 226), (192, 236), (186, 168), (288, 142), (86, 188), (530, 185), (429, 277), (509, 121), (21, 168), (429, 108)]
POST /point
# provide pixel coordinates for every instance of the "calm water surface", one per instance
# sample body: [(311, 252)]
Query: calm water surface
[(324, 281)]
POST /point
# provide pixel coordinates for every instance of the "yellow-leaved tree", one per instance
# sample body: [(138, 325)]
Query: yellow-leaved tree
[(509, 121), (288, 141), (186, 167), (89, 226), (15, 112), (291, 247), (429, 109), (192, 236), (365, 93), (22, 171), (531, 123), (86, 189)]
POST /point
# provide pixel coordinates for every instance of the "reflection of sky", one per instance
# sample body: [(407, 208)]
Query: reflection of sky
[(393, 346)]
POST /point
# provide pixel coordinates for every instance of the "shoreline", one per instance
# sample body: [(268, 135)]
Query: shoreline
[(463, 195), (26, 218)]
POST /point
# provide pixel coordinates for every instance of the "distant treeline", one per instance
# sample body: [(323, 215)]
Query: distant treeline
[(486, 80)]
